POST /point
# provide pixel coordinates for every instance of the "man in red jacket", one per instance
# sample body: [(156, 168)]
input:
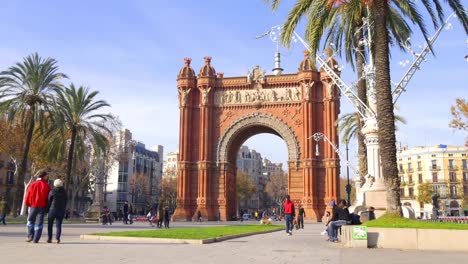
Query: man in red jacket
[(289, 214), (36, 200)]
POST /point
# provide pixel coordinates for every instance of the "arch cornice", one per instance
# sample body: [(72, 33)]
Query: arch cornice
[(258, 119)]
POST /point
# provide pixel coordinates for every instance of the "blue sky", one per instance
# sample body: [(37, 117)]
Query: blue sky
[(131, 51)]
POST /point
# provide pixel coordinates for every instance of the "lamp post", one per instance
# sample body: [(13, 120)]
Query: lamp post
[(348, 186)]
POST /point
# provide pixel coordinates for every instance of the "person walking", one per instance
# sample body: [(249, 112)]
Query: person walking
[(300, 217), (56, 206), (166, 217), (125, 212), (3, 210), (199, 216), (289, 214), (36, 199), (160, 216)]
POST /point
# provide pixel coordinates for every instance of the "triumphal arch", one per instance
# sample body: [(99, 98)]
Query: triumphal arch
[(218, 114)]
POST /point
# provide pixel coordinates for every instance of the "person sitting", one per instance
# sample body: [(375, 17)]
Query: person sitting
[(340, 217), (106, 216)]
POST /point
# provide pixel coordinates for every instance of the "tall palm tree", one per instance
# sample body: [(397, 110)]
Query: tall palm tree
[(26, 90), (75, 125), (380, 11)]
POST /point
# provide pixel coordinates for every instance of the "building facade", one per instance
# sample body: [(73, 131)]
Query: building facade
[(170, 164), (135, 176), (8, 181), (443, 169)]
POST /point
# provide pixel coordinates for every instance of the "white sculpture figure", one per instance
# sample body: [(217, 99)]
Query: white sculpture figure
[(238, 97), (297, 94), (183, 96), (205, 93)]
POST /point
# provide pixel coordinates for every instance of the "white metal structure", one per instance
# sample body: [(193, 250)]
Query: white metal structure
[(368, 113)]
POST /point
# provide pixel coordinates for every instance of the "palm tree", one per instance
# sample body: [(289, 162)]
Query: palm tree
[(74, 121), (26, 90), (349, 127), (380, 11)]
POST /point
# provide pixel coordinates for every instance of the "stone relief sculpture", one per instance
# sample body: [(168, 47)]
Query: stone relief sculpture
[(183, 96), (308, 90), (205, 93), (258, 95)]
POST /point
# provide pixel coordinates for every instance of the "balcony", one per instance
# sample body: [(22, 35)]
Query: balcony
[(434, 168), (453, 168), (419, 168), (465, 169), (410, 170), (401, 171)]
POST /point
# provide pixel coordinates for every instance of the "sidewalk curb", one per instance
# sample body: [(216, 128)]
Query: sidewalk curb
[(173, 240)]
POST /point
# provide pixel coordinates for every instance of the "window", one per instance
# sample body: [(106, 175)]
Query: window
[(410, 166), (434, 164), (410, 179), (420, 178), (419, 166), (402, 192), (411, 192), (10, 175), (453, 176), (451, 164), (453, 190), (434, 177), (421, 205), (465, 176), (402, 178), (419, 157), (450, 155), (401, 168), (464, 165), (433, 155), (409, 158)]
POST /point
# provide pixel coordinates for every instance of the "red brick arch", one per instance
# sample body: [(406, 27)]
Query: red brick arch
[(218, 114)]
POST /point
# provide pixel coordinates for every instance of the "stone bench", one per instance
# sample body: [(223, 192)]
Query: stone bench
[(409, 239)]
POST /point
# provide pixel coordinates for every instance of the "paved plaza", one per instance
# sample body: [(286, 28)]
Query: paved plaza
[(305, 246)]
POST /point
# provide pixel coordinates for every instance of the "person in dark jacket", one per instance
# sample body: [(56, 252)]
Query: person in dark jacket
[(56, 206), (340, 217), (166, 217), (36, 200), (125, 212), (300, 217)]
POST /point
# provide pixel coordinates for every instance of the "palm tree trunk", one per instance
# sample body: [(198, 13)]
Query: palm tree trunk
[(71, 152), (24, 162), (385, 114), (362, 95)]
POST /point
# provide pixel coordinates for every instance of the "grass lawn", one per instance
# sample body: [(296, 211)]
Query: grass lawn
[(196, 233), (393, 221)]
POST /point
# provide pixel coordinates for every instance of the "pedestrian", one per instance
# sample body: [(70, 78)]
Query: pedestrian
[(160, 216), (130, 213), (289, 214), (125, 213), (166, 217), (56, 206), (300, 217), (3, 210), (256, 215), (36, 200), (199, 216)]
